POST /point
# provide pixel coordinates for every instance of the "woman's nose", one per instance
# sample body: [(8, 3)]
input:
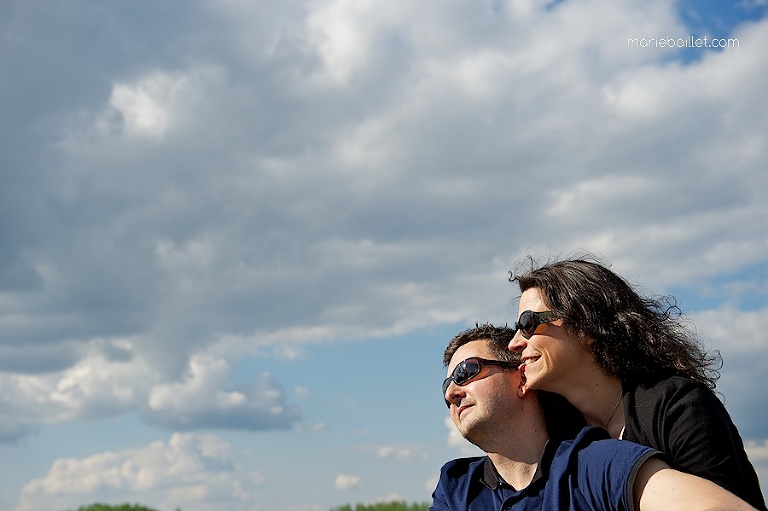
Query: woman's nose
[(517, 344)]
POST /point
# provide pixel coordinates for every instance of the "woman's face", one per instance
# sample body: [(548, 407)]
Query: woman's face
[(552, 359)]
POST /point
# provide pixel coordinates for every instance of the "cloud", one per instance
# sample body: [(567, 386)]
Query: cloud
[(200, 400), (456, 441), (145, 107), (758, 455), (347, 482), (743, 348), (208, 209), (186, 469), (112, 378), (107, 380), (398, 452), (431, 484), (285, 175)]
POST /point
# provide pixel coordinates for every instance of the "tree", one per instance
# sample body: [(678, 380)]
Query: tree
[(120, 507), (385, 506)]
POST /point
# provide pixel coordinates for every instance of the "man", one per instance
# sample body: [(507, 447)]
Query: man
[(526, 470)]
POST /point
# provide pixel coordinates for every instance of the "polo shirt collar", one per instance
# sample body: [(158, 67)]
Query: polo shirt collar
[(494, 481)]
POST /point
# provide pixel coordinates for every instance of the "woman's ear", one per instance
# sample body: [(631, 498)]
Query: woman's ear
[(522, 389), (580, 335)]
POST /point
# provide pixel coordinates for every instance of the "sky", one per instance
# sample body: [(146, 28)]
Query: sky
[(236, 236)]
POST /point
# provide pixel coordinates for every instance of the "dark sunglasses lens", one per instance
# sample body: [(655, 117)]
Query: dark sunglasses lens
[(526, 324), (466, 371), (462, 373)]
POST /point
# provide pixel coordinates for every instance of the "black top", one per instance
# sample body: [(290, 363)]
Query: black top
[(685, 420)]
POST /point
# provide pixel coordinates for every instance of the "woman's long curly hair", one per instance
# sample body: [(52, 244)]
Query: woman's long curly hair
[(639, 340)]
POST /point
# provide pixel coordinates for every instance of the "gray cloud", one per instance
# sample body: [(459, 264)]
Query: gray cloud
[(341, 171)]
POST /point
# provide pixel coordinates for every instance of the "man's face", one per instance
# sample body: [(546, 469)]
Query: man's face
[(482, 406)]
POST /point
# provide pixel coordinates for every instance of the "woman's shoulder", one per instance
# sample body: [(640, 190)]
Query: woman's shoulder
[(671, 409), (672, 390), (669, 384)]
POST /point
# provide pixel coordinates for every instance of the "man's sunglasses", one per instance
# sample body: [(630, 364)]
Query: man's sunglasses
[(468, 369), (529, 321)]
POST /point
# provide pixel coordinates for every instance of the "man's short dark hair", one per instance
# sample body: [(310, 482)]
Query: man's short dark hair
[(498, 338)]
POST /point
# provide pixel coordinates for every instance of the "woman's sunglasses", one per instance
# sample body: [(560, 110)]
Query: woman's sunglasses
[(529, 321), (468, 369)]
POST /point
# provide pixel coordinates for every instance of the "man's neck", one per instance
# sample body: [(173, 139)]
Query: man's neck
[(517, 461)]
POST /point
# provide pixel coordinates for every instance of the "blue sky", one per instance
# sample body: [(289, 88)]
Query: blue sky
[(236, 236)]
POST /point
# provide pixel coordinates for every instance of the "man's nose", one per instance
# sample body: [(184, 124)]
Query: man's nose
[(453, 393)]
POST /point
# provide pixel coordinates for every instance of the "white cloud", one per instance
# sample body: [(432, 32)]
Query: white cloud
[(608, 190), (758, 455), (398, 452), (456, 441), (347, 482), (758, 452), (347, 35), (112, 378), (318, 427), (146, 106), (203, 399), (109, 379), (186, 469), (737, 332), (431, 484)]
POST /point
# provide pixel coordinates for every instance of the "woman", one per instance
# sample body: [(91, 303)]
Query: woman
[(629, 365)]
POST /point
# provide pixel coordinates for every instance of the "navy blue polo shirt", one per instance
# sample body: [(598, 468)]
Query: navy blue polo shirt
[(592, 472)]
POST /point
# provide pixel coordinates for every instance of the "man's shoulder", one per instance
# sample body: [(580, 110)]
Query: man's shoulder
[(595, 444), (461, 486), (585, 437), (459, 475), (460, 466), (594, 471)]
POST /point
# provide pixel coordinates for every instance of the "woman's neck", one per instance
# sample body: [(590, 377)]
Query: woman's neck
[(599, 399)]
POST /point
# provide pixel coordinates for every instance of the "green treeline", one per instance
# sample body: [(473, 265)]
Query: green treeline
[(120, 507), (382, 506)]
